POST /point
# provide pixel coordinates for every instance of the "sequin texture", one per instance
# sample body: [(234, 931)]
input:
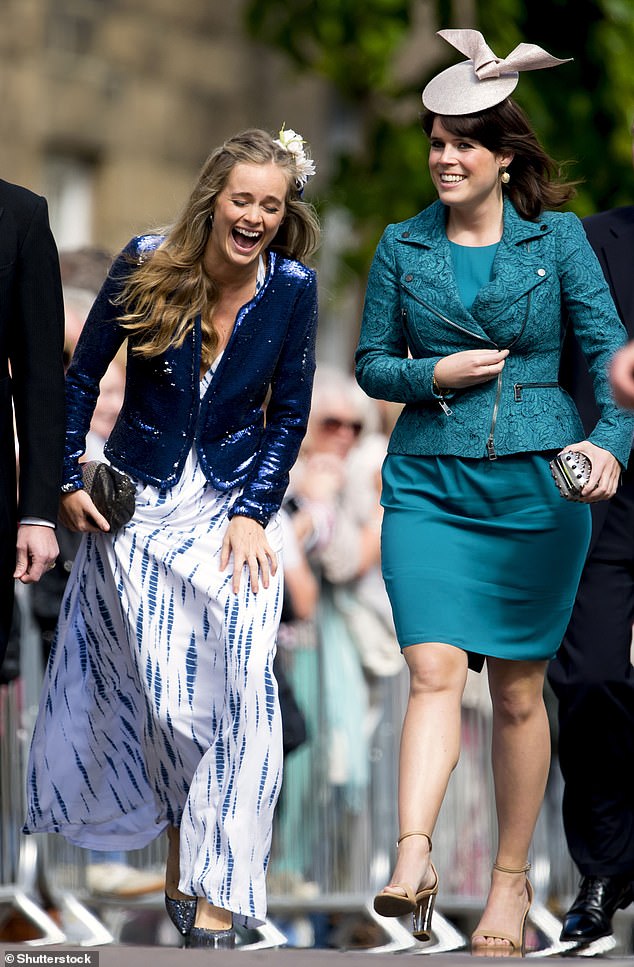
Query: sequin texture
[(272, 346)]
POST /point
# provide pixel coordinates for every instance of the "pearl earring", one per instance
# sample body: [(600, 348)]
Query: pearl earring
[(504, 176)]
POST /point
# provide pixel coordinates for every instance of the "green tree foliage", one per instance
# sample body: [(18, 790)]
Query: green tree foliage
[(348, 41), (582, 111), (352, 44)]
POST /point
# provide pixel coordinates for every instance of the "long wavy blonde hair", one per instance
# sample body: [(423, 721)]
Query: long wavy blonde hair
[(163, 295)]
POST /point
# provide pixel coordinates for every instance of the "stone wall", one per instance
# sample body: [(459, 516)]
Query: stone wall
[(110, 108)]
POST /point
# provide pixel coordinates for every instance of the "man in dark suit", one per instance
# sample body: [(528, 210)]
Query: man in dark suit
[(592, 674), (32, 390)]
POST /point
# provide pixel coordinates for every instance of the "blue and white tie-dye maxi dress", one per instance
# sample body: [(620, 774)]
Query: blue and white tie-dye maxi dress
[(159, 704)]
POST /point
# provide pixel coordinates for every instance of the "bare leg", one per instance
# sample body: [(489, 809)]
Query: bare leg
[(212, 918), (521, 756), (430, 745), (172, 871)]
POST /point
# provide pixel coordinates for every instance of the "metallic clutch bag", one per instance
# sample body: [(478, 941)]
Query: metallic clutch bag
[(111, 491), (571, 472)]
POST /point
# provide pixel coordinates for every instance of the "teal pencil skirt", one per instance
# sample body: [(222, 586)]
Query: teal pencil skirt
[(483, 555)]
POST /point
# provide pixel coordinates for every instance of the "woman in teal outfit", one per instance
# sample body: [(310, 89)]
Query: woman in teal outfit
[(465, 312)]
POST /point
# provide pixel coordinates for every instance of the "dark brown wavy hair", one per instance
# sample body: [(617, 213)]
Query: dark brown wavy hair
[(163, 295), (536, 179)]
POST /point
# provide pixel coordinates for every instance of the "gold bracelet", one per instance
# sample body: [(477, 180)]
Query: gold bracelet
[(434, 385)]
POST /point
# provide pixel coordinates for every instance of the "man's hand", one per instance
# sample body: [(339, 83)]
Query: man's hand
[(36, 552), (622, 376)]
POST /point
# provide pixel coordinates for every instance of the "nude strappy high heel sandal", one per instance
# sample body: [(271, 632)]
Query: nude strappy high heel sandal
[(419, 903), (517, 945)]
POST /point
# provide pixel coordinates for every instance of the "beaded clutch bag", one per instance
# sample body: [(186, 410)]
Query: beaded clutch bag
[(571, 472)]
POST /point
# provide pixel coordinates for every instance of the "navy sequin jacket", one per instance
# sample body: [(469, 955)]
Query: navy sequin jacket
[(270, 358)]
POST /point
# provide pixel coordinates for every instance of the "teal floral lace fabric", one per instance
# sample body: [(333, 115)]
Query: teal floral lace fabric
[(545, 277)]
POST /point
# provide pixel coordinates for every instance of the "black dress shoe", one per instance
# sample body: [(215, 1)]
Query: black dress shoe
[(590, 916)]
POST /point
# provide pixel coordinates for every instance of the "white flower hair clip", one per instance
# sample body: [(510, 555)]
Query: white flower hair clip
[(293, 142)]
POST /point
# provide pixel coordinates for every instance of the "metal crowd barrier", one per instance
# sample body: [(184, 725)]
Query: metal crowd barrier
[(334, 836), (43, 878), (19, 893), (333, 843)]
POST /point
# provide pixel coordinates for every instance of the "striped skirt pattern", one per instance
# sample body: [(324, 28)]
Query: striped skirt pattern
[(159, 704)]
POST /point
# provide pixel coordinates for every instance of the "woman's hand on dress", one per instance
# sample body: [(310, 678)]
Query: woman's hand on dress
[(247, 542), (605, 475), (469, 368), (78, 513)]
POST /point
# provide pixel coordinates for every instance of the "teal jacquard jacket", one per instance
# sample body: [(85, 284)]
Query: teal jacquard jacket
[(545, 276)]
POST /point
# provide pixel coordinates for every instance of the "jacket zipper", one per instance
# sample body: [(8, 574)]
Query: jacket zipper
[(449, 322), (519, 387), (490, 444), (442, 402)]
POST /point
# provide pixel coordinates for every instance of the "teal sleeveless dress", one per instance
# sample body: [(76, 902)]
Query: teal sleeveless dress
[(479, 554)]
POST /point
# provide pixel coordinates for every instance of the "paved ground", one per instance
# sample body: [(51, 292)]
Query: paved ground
[(111, 935), (137, 956)]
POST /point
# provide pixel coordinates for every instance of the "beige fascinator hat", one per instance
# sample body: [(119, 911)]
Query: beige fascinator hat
[(484, 80)]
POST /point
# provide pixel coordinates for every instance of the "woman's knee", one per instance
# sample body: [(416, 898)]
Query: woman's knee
[(436, 667), (518, 697)]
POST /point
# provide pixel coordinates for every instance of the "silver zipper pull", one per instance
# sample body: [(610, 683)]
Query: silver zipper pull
[(446, 409), (492, 455)]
